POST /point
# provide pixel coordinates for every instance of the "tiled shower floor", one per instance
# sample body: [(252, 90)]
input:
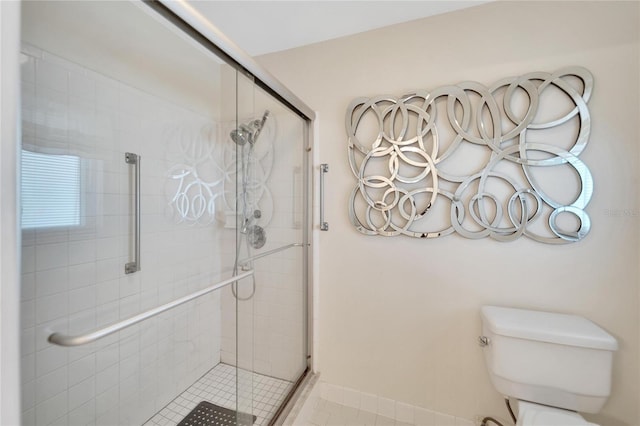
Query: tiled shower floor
[(218, 386)]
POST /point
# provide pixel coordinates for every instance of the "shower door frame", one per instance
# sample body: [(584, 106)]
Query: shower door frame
[(184, 17)]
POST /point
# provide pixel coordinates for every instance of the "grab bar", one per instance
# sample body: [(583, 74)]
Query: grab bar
[(267, 253), (131, 267), (64, 340), (324, 168)]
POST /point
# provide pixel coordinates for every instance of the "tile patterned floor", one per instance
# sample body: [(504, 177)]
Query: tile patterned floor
[(328, 413), (218, 386)]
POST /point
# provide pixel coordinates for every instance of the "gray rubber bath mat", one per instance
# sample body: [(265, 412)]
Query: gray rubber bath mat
[(208, 414)]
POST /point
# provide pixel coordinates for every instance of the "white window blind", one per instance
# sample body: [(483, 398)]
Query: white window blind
[(50, 190)]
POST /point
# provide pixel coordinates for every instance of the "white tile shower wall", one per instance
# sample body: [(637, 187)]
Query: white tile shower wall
[(273, 322), (73, 278)]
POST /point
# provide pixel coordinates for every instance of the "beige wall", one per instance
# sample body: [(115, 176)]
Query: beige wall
[(399, 317)]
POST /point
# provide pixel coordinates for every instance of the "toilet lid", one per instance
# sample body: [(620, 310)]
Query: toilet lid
[(540, 415)]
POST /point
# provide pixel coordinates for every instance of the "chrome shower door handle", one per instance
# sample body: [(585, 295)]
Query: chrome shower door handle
[(324, 168), (134, 159)]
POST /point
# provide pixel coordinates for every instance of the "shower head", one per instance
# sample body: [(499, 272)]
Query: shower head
[(250, 131), (242, 135)]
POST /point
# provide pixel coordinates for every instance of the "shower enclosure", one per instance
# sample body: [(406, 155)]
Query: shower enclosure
[(164, 219)]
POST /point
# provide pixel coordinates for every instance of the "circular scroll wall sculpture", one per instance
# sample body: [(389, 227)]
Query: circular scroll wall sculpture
[(478, 152)]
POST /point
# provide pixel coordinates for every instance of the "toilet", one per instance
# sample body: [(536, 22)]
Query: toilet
[(554, 365)]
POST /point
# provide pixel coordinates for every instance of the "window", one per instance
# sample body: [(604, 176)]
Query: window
[(50, 190)]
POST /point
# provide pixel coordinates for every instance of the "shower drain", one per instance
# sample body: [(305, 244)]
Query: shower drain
[(208, 414)]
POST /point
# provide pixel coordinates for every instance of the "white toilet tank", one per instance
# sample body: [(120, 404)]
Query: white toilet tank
[(553, 359)]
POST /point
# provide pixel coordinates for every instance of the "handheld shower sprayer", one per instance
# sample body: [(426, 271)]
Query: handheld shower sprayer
[(249, 132), (254, 235)]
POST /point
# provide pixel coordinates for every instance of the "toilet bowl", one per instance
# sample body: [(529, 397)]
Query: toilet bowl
[(530, 414), (554, 365)]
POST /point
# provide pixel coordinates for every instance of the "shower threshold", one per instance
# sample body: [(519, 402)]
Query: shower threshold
[(218, 386)]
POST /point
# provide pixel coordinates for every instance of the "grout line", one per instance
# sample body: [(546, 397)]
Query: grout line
[(218, 386)]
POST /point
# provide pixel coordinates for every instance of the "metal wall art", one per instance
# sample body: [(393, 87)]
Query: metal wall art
[(476, 160)]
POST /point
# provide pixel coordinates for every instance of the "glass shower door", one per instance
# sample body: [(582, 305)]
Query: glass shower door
[(100, 80), (265, 326), (152, 170)]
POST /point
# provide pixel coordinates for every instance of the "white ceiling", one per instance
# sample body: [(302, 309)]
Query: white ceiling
[(267, 26)]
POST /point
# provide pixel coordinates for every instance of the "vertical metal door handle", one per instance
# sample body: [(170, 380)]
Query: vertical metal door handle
[(324, 168), (134, 159)]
